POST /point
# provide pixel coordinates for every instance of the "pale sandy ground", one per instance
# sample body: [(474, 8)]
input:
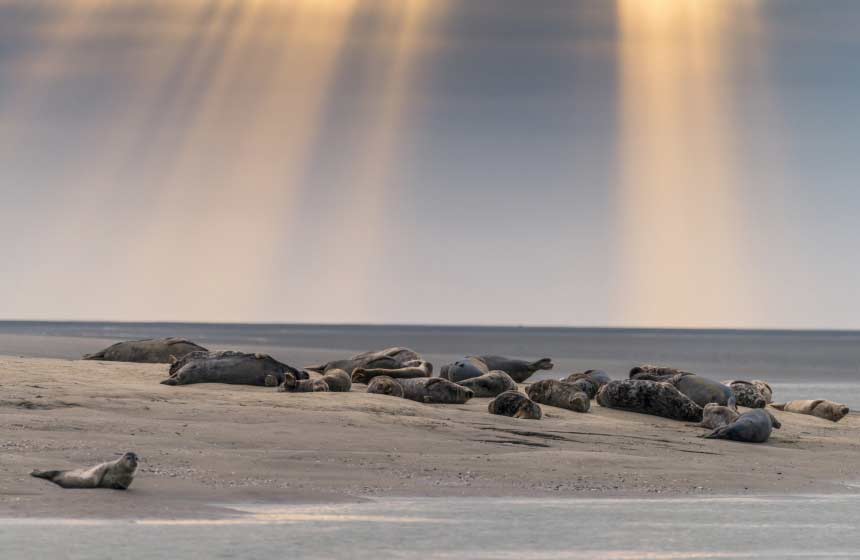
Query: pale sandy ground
[(204, 445)]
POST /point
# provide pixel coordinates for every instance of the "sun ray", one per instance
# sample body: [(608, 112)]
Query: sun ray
[(682, 256)]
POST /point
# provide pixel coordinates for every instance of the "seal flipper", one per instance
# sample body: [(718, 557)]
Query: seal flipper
[(719, 433), (543, 363), (47, 475), (170, 381)]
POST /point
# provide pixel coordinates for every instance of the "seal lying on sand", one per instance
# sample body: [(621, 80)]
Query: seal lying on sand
[(430, 390), (647, 372), (338, 381), (389, 358), (490, 384), (293, 385), (236, 368), (747, 393), (515, 405), (649, 397), (588, 382), (702, 390), (519, 370), (553, 392), (828, 410), (765, 390), (754, 426), (116, 475), (409, 370), (716, 416), (149, 351)]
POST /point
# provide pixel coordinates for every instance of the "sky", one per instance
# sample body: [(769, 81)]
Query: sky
[(626, 163)]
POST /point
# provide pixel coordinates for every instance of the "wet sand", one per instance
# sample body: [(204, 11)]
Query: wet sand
[(216, 444)]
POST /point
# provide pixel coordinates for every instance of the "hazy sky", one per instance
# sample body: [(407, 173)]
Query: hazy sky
[(627, 163)]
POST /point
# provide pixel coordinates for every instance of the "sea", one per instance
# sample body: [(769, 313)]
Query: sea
[(797, 364)]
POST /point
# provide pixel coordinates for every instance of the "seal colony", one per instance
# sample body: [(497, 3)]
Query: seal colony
[(402, 373)]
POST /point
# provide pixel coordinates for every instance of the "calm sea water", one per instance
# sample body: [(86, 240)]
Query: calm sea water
[(624, 529), (799, 364)]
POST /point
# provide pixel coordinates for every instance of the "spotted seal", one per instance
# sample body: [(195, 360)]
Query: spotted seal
[(293, 385), (429, 390), (648, 372), (116, 475), (237, 368), (553, 392), (828, 410), (338, 381), (384, 385), (747, 393), (515, 405), (408, 370), (649, 397), (754, 426), (147, 351)]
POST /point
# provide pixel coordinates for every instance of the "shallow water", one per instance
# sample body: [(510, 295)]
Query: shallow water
[(712, 527), (799, 364)]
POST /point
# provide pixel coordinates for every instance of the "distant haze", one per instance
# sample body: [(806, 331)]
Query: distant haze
[(681, 163)]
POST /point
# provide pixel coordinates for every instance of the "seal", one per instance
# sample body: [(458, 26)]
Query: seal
[(461, 370), (148, 351), (116, 475), (293, 385), (338, 381), (490, 385), (235, 368), (588, 382), (647, 372), (553, 392), (389, 358), (828, 410), (765, 390), (649, 397), (702, 390), (409, 370), (754, 426), (515, 405), (747, 393), (519, 370), (434, 390), (384, 385), (716, 416)]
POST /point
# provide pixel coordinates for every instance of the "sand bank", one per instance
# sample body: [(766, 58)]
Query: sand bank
[(217, 444)]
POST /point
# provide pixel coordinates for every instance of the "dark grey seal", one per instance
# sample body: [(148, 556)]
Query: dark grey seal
[(428, 390), (149, 351), (649, 397), (553, 392), (236, 368), (389, 358), (754, 426), (519, 370), (647, 372), (515, 405), (702, 390), (116, 475), (490, 384)]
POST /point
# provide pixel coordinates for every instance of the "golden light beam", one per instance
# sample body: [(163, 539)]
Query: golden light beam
[(370, 198), (682, 258)]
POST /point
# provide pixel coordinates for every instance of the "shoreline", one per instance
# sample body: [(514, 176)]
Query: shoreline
[(217, 444)]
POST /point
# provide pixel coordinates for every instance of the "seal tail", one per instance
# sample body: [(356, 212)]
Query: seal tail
[(778, 406), (96, 356), (47, 475), (543, 363)]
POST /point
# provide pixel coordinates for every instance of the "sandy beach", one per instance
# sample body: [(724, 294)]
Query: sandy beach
[(208, 446)]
